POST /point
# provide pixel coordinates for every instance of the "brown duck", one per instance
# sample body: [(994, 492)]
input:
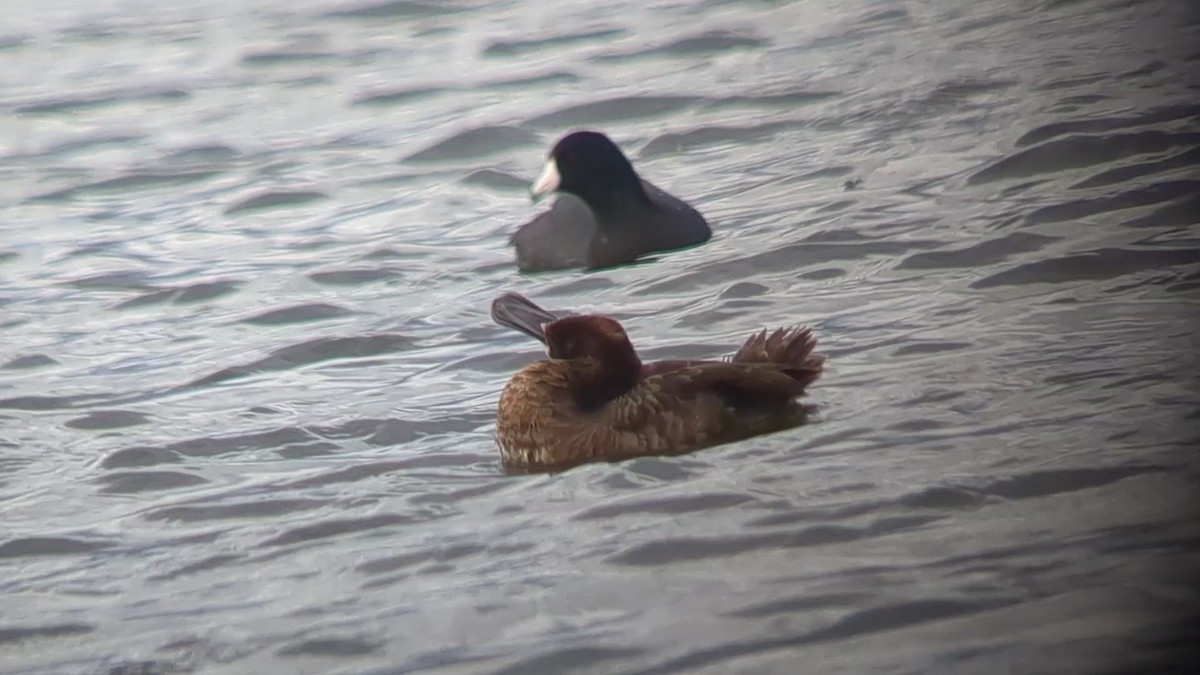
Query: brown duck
[(594, 399)]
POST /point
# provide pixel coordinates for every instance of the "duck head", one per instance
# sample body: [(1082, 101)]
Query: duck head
[(590, 166), (599, 359)]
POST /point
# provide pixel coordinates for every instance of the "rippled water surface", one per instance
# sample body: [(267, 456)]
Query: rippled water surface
[(248, 377)]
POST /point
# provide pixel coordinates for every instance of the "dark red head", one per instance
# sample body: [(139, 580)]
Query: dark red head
[(604, 363)]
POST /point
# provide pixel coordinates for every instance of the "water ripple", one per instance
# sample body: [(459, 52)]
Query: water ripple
[(248, 377)]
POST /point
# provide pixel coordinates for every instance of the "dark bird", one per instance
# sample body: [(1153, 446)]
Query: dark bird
[(605, 214), (594, 399)]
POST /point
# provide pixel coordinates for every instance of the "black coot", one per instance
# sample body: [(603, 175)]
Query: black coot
[(605, 214)]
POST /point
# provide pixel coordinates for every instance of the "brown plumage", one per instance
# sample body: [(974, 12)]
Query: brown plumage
[(594, 400)]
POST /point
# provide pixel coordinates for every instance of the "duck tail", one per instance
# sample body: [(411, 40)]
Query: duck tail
[(790, 347)]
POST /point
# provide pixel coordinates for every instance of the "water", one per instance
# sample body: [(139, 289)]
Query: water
[(248, 378)]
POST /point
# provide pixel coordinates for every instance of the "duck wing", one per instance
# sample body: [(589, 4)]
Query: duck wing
[(694, 407), (740, 383), (702, 395)]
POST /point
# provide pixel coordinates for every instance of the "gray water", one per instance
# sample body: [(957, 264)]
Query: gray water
[(248, 377)]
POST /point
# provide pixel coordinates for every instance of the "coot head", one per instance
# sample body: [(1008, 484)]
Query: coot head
[(590, 166)]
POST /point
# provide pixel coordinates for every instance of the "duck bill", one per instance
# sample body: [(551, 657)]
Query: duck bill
[(546, 183), (519, 313)]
